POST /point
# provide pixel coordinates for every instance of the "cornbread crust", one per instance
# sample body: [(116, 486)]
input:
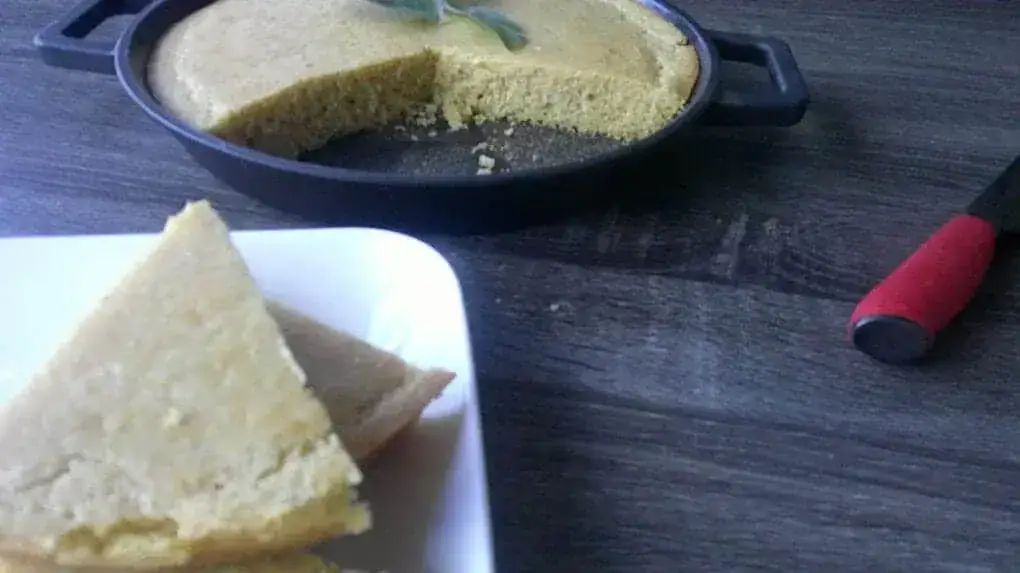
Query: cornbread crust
[(290, 563), (369, 393), (173, 427), (286, 77)]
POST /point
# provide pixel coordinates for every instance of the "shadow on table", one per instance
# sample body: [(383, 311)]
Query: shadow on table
[(547, 504), (672, 215)]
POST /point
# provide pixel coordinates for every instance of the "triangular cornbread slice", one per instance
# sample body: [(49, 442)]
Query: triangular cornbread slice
[(369, 393), (289, 563), (174, 426)]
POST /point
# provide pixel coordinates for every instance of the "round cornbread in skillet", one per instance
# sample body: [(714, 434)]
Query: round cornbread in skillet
[(286, 77)]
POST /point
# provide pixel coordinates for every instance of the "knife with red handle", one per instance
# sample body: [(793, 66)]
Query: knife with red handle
[(898, 320)]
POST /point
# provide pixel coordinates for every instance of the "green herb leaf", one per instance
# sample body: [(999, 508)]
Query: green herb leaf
[(426, 10), (513, 36)]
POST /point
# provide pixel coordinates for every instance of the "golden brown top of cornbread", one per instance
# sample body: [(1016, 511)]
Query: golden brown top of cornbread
[(173, 427), (235, 53)]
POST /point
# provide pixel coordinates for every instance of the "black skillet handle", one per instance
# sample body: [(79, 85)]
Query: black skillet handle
[(64, 43), (784, 105)]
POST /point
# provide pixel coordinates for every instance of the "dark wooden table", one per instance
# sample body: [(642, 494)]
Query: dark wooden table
[(670, 390)]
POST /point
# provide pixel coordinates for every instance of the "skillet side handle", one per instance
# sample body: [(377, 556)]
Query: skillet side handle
[(64, 43), (783, 106)]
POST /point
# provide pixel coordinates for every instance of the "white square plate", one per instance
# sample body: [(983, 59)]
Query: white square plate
[(428, 490)]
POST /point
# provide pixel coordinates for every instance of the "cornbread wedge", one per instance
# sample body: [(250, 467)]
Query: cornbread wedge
[(289, 563), (173, 428), (286, 77), (370, 394)]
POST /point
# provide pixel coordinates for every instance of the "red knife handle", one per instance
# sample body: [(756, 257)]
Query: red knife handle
[(898, 320)]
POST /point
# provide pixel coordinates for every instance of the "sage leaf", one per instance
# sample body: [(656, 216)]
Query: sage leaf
[(430, 11), (513, 35), (510, 33)]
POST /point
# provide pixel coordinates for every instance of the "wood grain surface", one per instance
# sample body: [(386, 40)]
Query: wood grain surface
[(667, 387)]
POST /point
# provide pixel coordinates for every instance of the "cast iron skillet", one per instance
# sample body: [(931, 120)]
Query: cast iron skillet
[(420, 201)]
